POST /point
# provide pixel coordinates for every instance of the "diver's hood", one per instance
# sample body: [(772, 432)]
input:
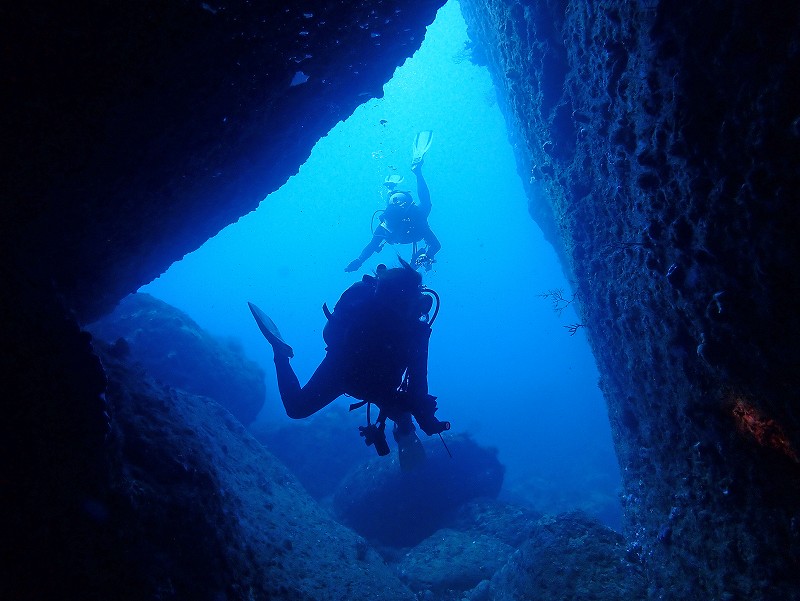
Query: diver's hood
[(401, 197)]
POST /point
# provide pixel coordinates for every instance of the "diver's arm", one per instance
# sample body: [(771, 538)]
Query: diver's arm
[(368, 251), (434, 246), (418, 364), (422, 190), (422, 404)]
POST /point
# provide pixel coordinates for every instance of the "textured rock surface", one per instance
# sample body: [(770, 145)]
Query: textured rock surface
[(512, 524), (134, 132), (176, 351), (320, 450), (569, 556), (449, 563), (498, 553), (665, 136), (204, 512), (391, 507)]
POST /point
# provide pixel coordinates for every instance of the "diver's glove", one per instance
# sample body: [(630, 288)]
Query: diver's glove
[(425, 261), (423, 410), (353, 265)]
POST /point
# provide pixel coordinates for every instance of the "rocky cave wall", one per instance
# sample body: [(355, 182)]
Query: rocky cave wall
[(133, 132), (665, 136)]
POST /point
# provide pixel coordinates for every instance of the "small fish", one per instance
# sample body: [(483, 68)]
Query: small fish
[(384, 122), (298, 79)]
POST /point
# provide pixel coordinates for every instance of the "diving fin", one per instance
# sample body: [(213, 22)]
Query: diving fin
[(391, 181), (421, 145), (412, 453), (271, 333)]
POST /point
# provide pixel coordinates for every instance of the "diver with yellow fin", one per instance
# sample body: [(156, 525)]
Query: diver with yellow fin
[(403, 221)]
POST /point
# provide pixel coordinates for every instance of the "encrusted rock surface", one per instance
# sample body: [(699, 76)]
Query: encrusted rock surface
[(202, 511), (569, 556), (565, 556), (664, 136), (512, 524), (320, 450), (449, 563)]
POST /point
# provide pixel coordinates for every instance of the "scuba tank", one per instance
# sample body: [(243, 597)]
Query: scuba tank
[(422, 409)]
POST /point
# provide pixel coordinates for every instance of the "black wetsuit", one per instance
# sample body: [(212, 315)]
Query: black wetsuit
[(370, 347), (403, 224)]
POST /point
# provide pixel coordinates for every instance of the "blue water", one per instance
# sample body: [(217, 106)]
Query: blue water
[(501, 362)]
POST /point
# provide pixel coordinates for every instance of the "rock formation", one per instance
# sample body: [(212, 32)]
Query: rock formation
[(200, 510), (658, 139), (396, 508), (176, 351), (568, 557), (133, 133)]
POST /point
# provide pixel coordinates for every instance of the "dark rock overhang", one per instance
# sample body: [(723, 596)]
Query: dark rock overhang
[(135, 132)]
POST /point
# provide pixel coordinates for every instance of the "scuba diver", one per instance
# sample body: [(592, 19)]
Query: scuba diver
[(377, 351), (403, 221)]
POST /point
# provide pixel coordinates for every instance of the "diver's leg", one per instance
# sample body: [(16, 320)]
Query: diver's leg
[(412, 453), (403, 425), (322, 389)]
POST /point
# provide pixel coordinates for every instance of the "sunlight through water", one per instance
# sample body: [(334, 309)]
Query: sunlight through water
[(502, 363)]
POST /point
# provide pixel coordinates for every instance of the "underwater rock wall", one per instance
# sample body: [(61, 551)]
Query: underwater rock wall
[(134, 132), (666, 136), (53, 434)]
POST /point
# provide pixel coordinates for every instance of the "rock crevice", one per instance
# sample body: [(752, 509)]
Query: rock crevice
[(661, 133)]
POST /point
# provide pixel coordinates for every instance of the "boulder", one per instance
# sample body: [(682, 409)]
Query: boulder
[(198, 509), (175, 350), (396, 508), (512, 524), (569, 556), (451, 562), (320, 450)]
